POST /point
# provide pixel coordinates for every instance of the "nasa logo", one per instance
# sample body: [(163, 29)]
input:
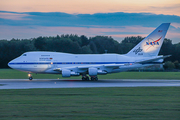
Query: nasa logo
[(152, 43), (136, 51)]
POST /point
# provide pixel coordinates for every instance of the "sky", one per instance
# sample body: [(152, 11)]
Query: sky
[(116, 18)]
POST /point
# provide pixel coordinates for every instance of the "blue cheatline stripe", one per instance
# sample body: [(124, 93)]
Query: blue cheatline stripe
[(63, 63), (31, 63)]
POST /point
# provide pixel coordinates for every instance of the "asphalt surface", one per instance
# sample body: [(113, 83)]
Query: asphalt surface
[(54, 83)]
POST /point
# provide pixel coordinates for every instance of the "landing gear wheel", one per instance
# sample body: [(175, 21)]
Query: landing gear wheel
[(85, 78), (30, 78), (94, 78)]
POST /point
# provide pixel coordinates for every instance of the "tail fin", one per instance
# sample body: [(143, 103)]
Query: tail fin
[(150, 45)]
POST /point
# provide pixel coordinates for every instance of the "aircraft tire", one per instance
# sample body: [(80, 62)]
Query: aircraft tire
[(96, 78), (30, 78), (85, 78)]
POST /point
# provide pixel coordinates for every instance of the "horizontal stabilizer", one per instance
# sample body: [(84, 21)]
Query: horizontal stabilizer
[(153, 60)]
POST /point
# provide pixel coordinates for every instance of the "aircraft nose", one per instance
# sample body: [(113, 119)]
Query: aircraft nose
[(10, 64)]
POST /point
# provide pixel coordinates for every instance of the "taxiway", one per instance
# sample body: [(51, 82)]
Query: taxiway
[(54, 83)]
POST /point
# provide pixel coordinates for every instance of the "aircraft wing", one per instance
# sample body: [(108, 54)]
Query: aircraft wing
[(111, 66), (103, 65), (153, 59)]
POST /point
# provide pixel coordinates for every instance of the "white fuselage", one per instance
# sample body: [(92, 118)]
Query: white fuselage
[(46, 62)]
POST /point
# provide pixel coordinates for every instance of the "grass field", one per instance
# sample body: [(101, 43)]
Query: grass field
[(160, 103), (14, 74), (140, 103)]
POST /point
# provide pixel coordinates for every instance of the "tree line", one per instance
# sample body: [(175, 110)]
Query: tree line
[(10, 49)]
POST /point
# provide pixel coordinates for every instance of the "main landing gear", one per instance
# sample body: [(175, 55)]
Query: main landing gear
[(94, 78), (86, 78), (30, 76)]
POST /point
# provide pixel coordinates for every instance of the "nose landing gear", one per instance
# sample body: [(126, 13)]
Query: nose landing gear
[(30, 76)]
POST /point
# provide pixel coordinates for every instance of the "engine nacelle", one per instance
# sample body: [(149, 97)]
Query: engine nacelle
[(92, 71), (66, 73)]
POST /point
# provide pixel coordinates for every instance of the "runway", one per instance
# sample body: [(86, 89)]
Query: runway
[(54, 83)]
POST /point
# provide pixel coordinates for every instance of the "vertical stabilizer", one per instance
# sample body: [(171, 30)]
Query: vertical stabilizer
[(151, 45)]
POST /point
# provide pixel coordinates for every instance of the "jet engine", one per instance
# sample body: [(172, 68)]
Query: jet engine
[(66, 73), (92, 71)]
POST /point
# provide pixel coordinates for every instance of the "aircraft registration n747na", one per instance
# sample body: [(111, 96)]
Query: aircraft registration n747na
[(143, 54)]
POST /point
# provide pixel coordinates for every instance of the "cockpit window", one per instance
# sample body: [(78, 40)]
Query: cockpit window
[(24, 55)]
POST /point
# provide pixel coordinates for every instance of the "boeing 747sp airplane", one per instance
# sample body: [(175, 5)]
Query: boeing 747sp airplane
[(143, 54)]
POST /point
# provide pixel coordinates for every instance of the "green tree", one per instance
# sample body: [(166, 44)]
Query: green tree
[(168, 65), (133, 40), (40, 43), (84, 40), (177, 65), (167, 47), (86, 50), (176, 52), (103, 43)]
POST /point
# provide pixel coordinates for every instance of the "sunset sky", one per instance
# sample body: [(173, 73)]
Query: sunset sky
[(117, 18)]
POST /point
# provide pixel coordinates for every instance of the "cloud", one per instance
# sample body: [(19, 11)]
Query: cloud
[(13, 16), (87, 20), (118, 25), (176, 25), (170, 7)]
